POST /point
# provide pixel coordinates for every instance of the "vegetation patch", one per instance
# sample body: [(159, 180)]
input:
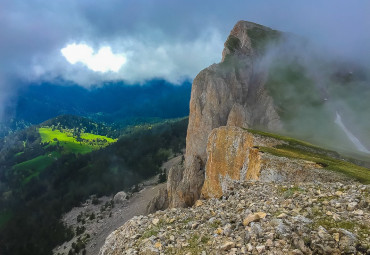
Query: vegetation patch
[(359, 173), (261, 37), (73, 177), (329, 160), (354, 227), (72, 141), (289, 192), (33, 167), (232, 43)]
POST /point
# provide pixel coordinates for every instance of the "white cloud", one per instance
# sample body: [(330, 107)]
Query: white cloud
[(138, 60), (103, 61)]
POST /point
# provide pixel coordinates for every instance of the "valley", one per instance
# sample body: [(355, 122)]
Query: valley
[(48, 169)]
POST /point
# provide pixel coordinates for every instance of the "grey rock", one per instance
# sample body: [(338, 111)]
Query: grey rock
[(120, 197)]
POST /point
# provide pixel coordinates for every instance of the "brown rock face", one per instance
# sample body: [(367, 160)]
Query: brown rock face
[(229, 93), (233, 155)]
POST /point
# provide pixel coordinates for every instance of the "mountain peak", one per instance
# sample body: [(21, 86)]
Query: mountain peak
[(245, 37)]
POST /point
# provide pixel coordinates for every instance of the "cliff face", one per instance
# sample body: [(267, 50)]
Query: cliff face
[(230, 93), (233, 154)]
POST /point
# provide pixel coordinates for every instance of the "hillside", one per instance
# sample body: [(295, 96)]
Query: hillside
[(47, 170), (116, 103), (263, 193), (275, 82), (256, 218), (262, 174)]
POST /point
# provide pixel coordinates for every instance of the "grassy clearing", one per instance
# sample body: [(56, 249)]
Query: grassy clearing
[(330, 160), (32, 168), (74, 143)]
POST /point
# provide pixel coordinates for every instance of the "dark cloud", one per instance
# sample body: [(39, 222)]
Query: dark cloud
[(163, 38)]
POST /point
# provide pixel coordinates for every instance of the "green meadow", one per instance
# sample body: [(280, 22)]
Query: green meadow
[(67, 142), (71, 143), (33, 167)]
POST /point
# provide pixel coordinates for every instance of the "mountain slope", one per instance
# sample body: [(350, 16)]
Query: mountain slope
[(115, 103), (269, 80), (46, 180)]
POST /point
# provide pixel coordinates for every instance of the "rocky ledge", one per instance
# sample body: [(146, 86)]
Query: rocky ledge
[(256, 218)]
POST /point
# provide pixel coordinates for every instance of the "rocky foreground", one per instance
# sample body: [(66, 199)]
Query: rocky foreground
[(256, 218)]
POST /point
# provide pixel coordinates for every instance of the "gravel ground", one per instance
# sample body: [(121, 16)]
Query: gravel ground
[(256, 218)]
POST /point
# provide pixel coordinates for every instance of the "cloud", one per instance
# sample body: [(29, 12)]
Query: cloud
[(166, 39), (103, 61)]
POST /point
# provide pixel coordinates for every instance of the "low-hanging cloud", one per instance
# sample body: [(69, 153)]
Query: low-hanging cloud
[(165, 39)]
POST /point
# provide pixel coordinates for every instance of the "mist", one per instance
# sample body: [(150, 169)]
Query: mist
[(160, 39), (322, 97)]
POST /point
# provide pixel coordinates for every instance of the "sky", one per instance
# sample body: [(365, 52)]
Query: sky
[(89, 42)]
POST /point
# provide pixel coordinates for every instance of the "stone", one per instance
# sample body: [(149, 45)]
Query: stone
[(120, 197), (299, 244), (336, 237), (351, 206), (338, 193), (159, 202), (227, 246), (227, 230), (198, 203), (155, 221), (218, 231), (358, 212), (260, 248), (249, 247), (253, 217), (282, 215)]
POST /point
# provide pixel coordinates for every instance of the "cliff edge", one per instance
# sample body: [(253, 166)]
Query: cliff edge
[(230, 93)]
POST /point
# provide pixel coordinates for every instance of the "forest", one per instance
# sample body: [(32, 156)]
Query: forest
[(30, 218)]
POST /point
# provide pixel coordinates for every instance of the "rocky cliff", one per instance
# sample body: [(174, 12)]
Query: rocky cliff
[(272, 81), (229, 93), (256, 218), (266, 193), (233, 154)]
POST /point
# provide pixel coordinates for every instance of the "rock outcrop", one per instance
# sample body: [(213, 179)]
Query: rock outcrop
[(233, 155), (256, 218), (229, 93)]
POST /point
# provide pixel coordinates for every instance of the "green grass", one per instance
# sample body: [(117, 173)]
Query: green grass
[(35, 166), (327, 159), (293, 142), (18, 154), (70, 142)]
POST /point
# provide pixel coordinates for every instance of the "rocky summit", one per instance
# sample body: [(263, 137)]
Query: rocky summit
[(255, 217), (229, 93), (244, 188)]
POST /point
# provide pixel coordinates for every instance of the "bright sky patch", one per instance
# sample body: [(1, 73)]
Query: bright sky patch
[(102, 61)]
